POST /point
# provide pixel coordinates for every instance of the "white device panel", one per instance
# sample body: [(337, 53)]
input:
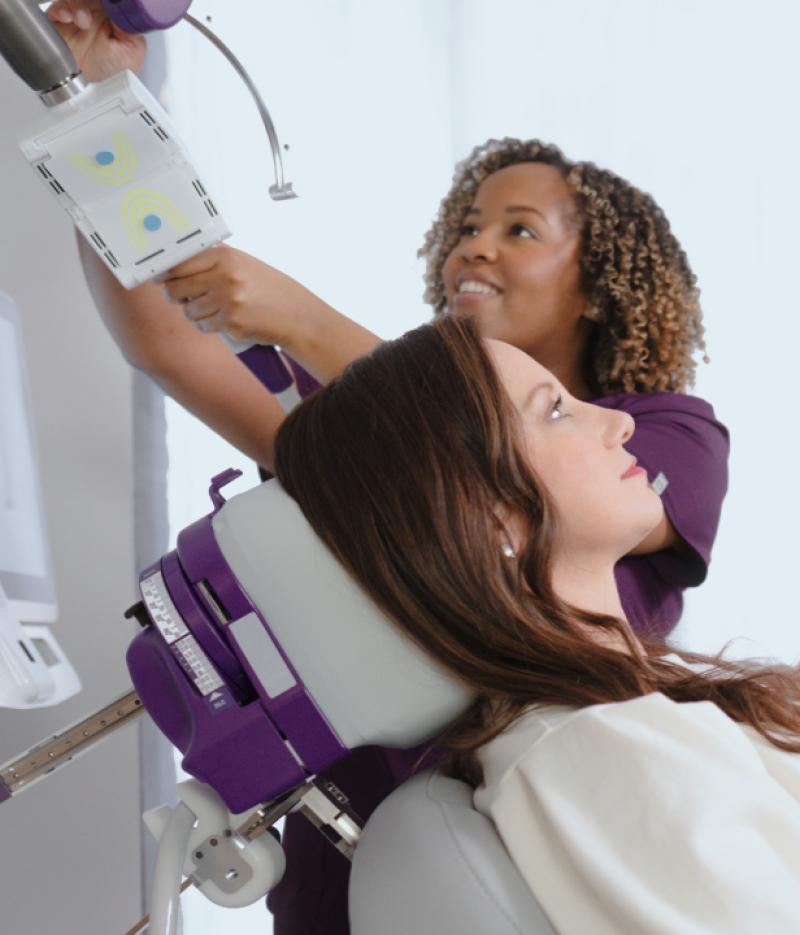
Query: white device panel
[(34, 672), (113, 159)]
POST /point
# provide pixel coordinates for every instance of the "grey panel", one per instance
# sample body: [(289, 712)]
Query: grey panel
[(262, 654)]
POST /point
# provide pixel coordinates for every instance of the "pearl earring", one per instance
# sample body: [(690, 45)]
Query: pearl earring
[(508, 550)]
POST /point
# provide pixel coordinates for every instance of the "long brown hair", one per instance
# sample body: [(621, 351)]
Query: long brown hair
[(642, 292), (402, 465)]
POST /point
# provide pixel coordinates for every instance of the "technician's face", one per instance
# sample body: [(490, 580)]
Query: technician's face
[(604, 509), (516, 268)]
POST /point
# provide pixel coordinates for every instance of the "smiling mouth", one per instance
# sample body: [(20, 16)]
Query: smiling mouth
[(472, 287)]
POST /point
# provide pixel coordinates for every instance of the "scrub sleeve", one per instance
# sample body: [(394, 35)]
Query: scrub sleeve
[(677, 440)]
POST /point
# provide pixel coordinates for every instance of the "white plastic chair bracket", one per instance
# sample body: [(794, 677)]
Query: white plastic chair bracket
[(226, 867)]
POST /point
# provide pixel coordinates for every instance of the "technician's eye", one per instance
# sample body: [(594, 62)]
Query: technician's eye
[(468, 230), (556, 414), (519, 230)]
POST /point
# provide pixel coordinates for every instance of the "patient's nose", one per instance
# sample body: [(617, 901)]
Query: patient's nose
[(619, 427)]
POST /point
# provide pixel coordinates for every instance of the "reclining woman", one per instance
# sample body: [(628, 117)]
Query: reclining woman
[(564, 260), (637, 789)]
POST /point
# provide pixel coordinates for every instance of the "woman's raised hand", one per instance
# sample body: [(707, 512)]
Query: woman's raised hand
[(101, 48), (224, 289)]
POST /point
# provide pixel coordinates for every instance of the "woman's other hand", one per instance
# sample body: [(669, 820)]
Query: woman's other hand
[(224, 289), (101, 48)]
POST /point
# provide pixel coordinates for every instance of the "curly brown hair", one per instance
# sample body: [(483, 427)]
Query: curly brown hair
[(642, 292)]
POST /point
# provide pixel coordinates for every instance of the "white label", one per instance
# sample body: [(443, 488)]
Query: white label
[(660, 483), (161, 608), (205, 676)]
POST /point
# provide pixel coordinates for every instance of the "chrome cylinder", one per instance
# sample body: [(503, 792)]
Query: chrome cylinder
[(35, 51)]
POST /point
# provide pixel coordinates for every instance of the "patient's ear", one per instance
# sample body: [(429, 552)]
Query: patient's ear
[(511, 531)]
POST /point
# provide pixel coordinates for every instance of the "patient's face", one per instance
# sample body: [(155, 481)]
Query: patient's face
[(577, 450)]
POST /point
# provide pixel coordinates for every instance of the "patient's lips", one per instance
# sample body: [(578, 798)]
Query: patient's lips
[(633, 470)]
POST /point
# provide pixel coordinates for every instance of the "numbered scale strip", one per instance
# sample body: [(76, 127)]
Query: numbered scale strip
[(50, 754)]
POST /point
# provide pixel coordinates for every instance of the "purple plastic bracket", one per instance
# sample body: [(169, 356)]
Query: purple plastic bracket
[(264, 362), (137, 16), (5, 792), (238, 752), (295, 712), (218, 481)]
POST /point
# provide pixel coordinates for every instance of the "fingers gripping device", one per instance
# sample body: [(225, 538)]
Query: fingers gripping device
[(112, 157)]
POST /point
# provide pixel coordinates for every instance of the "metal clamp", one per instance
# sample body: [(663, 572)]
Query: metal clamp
[(281, 190)]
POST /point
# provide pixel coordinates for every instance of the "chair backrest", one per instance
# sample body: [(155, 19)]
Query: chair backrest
[(428, 863)]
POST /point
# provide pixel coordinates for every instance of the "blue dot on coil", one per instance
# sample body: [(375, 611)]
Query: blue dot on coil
[(105, 157), (152, 222)]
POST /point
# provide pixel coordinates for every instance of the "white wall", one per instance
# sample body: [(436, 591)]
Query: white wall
[(70, 852), (694, 102), (359, 92)]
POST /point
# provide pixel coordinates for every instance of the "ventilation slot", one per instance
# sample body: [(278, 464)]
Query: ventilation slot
[(198, 187), (112, 260), (147, 118), (48, 176), (98, 240), (210, 207), (144, 259), (161, 134), (189, 236)]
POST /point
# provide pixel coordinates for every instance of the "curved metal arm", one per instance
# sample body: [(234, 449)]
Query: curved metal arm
[(281, 190)]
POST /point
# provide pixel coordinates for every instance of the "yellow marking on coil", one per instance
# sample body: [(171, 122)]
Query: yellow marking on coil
[(137, 204), (119, 172)]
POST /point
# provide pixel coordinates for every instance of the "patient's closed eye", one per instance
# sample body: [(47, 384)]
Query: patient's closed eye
[(555, 414)]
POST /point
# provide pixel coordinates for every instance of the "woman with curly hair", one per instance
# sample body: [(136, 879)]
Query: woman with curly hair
[(640, 292), (565, 261)]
